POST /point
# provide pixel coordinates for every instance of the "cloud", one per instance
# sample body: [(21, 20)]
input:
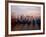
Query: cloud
[(26, 10)]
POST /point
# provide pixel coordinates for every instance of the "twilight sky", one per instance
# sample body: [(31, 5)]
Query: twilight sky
[(25, 10)]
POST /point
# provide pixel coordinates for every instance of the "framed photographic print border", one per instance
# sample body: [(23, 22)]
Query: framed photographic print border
[(6, 17)]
